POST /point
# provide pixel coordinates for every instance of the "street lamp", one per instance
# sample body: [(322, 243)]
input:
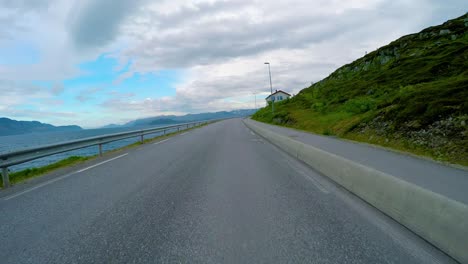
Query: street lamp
[(255, 98), (271, 89)]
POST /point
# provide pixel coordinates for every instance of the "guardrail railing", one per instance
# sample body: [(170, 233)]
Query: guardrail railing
[(22, 156)]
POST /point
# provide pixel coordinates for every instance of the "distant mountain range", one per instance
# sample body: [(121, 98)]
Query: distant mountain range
[(172, 119), (14, 127)]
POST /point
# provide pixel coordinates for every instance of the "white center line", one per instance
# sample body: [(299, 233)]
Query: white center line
[(58, 178), (159, 142)]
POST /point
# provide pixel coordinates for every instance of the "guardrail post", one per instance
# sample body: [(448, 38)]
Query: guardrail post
[(26, 155), (5, 177)]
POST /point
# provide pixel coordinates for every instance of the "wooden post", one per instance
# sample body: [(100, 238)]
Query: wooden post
[(5, 177)]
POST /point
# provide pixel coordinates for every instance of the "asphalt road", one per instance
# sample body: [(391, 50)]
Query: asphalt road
[(217, 194), (448, 181)]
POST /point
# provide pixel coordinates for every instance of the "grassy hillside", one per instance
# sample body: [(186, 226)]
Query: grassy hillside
[(410, 95)]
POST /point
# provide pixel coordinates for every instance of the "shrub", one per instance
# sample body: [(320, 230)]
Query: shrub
[(318, 106), (359, 105)]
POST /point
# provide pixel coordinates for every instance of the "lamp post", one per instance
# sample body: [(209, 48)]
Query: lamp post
[(271, 90), (255, 98)]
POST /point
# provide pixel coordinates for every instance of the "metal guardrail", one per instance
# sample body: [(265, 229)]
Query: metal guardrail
[(22, 156)]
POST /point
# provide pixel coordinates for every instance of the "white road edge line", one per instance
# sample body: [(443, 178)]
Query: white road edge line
[(38, 186), (58, 178), (183, 133), (309, 177), (315, 182), (100, 163), (159, 142)]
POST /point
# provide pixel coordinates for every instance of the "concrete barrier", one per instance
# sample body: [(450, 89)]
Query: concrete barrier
[(436, 218)]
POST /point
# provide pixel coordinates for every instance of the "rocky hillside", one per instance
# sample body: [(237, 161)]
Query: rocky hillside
[(411, 94)]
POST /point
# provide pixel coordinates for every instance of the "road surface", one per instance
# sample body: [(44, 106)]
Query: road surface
[(217, 194), (448, 181)]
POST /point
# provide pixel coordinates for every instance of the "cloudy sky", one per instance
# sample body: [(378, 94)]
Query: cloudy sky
[(94, 62)]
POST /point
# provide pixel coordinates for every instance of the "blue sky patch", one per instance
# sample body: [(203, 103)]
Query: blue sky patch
[(103, 73), (101, 80), (19, 53)]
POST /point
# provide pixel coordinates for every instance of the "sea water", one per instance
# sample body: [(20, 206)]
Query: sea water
[(26, 141)]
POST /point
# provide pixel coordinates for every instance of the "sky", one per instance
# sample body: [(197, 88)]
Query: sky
[(93, 63)]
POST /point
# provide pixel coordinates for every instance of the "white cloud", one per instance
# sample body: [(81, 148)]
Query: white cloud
[(57, 88), (219, 45), (223, 44), (15, 93), (87, 94), (96, 23)]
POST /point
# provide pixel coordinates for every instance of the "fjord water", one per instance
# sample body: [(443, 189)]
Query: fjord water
[(26, 141)]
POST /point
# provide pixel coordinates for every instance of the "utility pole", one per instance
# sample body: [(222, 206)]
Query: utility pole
[(271, 90)]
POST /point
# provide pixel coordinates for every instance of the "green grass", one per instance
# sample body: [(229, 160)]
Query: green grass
[(342, 124), (406, 146), (19, 176), (406, 86)]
